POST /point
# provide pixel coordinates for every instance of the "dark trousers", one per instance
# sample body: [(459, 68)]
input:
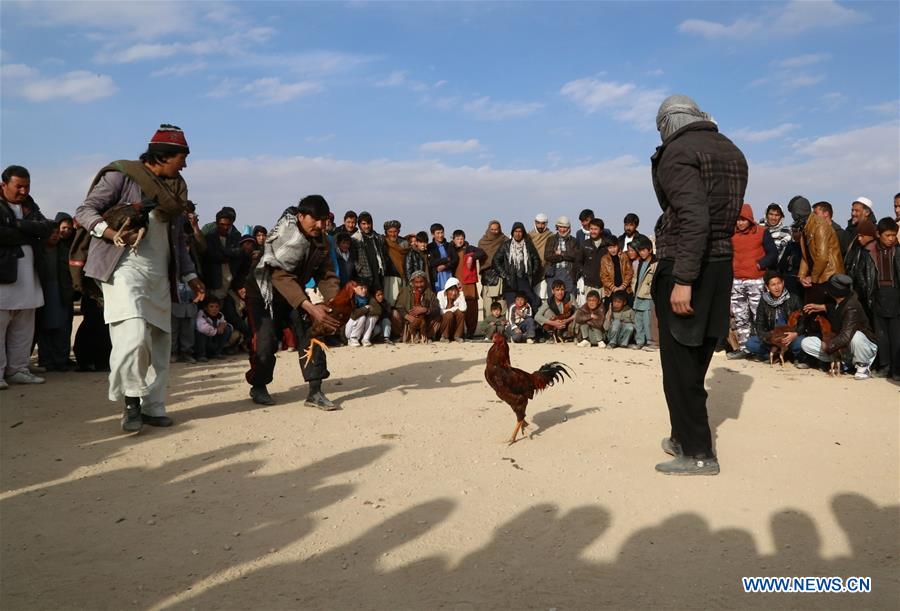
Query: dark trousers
[(229, 309), (684, 366), (887, 336), (92, 344), (266, 329), (522, 284), (211, 346), (54, 345)]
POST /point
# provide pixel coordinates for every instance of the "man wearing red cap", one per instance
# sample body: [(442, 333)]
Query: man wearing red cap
[(137, 282)]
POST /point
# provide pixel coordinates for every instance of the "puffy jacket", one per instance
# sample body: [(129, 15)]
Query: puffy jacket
[(820, 251), (754, 249), (700, 177), (767, 316), (608, 273)]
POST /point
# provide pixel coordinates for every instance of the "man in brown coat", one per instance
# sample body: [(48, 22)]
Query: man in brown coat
[(821, 257)]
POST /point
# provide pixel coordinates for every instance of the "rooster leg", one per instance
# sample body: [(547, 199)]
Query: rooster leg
[(137, 240), (524, 424), (781, 356), (308, 353), (117, 239), (515, 434)]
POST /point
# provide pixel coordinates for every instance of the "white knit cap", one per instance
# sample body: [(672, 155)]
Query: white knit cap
[(563, 221), (865, 201), (540, 217)]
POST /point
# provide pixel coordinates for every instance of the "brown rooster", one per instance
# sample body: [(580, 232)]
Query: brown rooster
[(341, 305), (124, 217), (827, 336), (515, 386), (778, 334)]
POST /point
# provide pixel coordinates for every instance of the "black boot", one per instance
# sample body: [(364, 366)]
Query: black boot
[(131, 416), (260, 395), (317, 398)]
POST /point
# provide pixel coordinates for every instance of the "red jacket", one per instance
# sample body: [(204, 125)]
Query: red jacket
[(748, 248)]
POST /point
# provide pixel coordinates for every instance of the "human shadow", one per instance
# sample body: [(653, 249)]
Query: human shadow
[(538, 559), (206, 513), (727, 390), (555, 416)]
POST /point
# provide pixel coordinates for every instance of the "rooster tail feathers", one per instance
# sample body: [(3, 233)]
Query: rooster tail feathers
[(549, 374)]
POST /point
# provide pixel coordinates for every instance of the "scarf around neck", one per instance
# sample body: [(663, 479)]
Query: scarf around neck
[(774, 303), (490, 243)]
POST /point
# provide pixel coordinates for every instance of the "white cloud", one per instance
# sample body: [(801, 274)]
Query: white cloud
[(180, 69), (487, 109), (452, 147), (886, 108), (266, 91), (801, 61), (833, 100), (78, 86), (797, 81), (319, 139), (624, 101), (656, 72), (741, 28), (394, 79), (748, 135), (793, 18), (142, 20)]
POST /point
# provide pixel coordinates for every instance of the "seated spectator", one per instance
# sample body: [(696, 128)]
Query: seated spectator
[(557, 314), (382, 327), (640, 286), (496, 322), (775, 307), (452, 304), (853, 340), (615, 272), (589, 319), (363, 316), (521, 322), (416, 310), (619, 322), (214, 333)]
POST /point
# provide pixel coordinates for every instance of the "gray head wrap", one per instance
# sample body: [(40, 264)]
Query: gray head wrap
[(675, 112)]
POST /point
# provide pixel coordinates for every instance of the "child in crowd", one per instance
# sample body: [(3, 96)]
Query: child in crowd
[(496, 322), (615, 271), (214, 334), (382, 326), (589, 319), (363, 317), (557, 314), (453, 307), (521, 322), (346, 259), (53, 321), (619, 323), (417, 257), (641, 282), (184, 316)]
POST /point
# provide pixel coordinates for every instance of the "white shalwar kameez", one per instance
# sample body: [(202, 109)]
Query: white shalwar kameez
[(137, 307)]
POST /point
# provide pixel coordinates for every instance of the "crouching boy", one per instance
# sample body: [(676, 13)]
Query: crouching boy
[(589, 321), (619, 322), (214, 334)]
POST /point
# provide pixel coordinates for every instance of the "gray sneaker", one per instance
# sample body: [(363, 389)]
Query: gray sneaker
[(24, 377), (318, 399), (688, 465), (671, 447)]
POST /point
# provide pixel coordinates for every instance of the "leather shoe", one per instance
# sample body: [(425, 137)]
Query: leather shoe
[(131, 418), (157, 420), (671, 447), (260, 395)]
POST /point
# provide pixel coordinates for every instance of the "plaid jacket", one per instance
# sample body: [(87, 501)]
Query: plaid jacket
[(700, 177)]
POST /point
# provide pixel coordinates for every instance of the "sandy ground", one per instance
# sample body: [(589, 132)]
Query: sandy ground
[(408, 497)]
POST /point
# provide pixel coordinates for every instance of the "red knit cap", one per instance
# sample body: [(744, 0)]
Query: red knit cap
[(169, 139)]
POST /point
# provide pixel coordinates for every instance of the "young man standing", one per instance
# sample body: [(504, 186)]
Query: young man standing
[(700, 177), (467, 273), (136, 283), (296, 252), (441, 257), (539, 237)]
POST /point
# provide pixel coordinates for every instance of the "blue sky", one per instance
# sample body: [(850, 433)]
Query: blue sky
[(457, 112)]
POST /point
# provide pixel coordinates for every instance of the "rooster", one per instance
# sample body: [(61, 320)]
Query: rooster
[(514, 386), (341, 305), (828, 336), (778, 334), (124, 217)]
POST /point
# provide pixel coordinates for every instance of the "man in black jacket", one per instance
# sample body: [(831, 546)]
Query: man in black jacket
[(592, 250), (854, 340), (22, 227), (700, 177)]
